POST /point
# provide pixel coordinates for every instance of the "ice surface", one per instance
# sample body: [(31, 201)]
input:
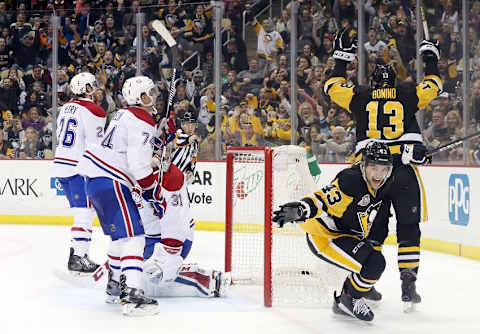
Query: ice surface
[(36, 298)]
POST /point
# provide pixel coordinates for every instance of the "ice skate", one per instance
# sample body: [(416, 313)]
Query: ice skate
[(222, 283), (80, 266), (113, 290), (410, 297), (373, 295), (345, 304), (134, 303)]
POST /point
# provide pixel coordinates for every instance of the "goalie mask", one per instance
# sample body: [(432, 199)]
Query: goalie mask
[(163, 156), (376, 164)]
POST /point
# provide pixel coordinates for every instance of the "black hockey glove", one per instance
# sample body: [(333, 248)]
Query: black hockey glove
[(289, 212), (415, 154), (429, 50), (345, 45)]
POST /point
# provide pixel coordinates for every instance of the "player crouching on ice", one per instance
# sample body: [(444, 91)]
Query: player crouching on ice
[(338, 220), (169, 232)]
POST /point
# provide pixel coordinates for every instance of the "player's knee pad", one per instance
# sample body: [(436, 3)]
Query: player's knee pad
[(374, 266), (166, 261), (408, 233)]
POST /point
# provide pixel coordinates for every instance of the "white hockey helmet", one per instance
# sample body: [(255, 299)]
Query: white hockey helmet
[(133, 89), (78, 84)]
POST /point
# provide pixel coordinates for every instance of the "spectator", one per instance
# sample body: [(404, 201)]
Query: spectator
[(26, 49), (4, 149), (374, 45), (9, 95), (104, 100), (336, 148), (454, 125), (246, 136), (33, 120), (6, 55), (32, 146), (235, 54), (269, 40), (437, 127), (253, 77)]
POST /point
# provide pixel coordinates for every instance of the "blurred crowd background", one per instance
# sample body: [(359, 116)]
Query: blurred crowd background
[(101, 36)]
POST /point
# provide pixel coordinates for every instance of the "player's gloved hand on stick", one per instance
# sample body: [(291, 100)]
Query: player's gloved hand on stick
[(429, 50), (415, 154), (289, 212), (154, 197), (345, 45)]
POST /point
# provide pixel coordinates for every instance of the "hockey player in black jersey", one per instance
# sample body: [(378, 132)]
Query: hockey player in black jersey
[(385, 111), (339, 219)]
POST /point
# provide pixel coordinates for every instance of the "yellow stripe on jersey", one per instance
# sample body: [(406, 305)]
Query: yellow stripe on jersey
[(408, 249), (334, 199), (339, 92), (408, 265), (327, 249), (428, 89), (358, 288), (423, 196)]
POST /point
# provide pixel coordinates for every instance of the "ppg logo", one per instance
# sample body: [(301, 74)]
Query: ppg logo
[(458, 199)]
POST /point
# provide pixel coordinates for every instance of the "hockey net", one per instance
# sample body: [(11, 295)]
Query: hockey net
[(258, 181)]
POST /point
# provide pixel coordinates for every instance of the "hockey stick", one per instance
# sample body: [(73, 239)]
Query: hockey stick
[(162, 31), (452, 144), (424, 22)]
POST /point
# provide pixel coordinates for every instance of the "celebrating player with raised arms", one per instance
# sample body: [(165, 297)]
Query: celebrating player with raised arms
[(339, 220), (80, 122), (113, 167), (385, 112), (169, 235)]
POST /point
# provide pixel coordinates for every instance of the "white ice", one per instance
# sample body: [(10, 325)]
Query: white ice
[(35, 297)]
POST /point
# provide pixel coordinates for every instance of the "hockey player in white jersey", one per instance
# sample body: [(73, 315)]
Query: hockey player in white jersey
[(113, 167), (169, 237), (79, 123)]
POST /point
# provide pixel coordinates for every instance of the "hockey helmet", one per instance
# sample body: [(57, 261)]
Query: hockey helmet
[(135, 87), (383, 75), (377, 153), (80, 82)]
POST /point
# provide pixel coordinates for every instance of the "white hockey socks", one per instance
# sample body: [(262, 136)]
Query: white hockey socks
[(114, 256), (81, 231), (131, 260)]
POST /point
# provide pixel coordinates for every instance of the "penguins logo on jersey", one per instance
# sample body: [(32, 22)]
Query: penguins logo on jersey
[(366, 218)]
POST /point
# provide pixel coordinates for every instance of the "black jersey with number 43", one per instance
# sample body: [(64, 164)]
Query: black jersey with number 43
[(386, 114)]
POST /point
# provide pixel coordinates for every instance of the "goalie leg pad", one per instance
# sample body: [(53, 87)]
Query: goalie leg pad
[(163, 266)]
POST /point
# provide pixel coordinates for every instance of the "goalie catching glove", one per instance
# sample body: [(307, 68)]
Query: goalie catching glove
[(429, 50), (345, 45), (415, 154), (290, 212)]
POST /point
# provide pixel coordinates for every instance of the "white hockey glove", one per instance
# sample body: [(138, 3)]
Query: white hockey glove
[(345, 45), (290, 212), (429, 50), (415, 154)]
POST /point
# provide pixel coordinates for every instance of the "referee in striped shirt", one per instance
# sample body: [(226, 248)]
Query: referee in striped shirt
[(186, 145)]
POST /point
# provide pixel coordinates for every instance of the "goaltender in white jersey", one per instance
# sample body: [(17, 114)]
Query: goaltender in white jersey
[(169, 240), (80, 122)]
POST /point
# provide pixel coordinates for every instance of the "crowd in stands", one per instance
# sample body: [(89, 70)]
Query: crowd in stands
[(100, 37)]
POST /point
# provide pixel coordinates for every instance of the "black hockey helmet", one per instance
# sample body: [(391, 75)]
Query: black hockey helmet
[(378, 153), (383, 75)]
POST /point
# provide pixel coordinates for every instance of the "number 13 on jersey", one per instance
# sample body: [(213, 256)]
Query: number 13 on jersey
[(393, 128)]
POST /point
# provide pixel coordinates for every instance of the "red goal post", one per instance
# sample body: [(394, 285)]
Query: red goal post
[(258, 180)]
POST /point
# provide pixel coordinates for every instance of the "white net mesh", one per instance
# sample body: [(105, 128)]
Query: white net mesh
[(298, 277)]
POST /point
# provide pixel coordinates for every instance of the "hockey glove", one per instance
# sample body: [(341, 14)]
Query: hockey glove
[(154, 196), (415, 154), (429, 50), (290, 212), (345, 45)]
